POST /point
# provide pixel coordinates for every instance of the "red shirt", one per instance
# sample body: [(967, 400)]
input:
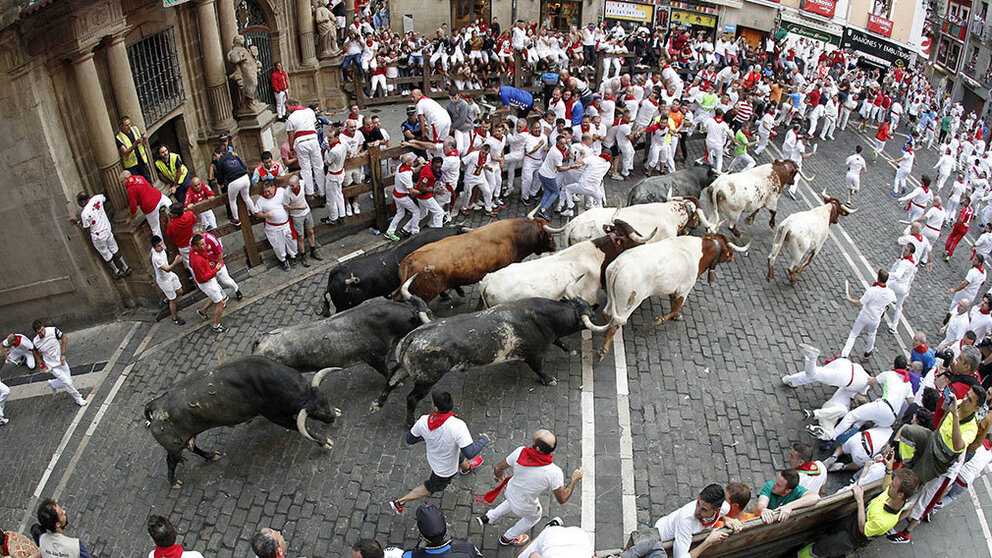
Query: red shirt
[(883, 132), (426, 183), (280, 81), (141, 194), (192, 196), (214, 251), (180, 229), (965, 217), (201, 267), (814, 97)]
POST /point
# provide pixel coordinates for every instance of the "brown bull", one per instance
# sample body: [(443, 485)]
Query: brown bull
[(465, 259)]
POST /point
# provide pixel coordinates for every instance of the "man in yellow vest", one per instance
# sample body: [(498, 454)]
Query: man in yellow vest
[(173, 172), (133, 147)]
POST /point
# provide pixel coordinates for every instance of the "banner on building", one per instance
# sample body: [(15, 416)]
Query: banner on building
[(823, 8), (810, 33), (894, 54), (171, 3), (629, 11), (880, 25), (729, 28), (691, 18)]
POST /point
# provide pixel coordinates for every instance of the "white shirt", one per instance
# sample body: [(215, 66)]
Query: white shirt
[(529, 483), (301, 120), (159, 260), (274, 205), (560, 542), (901, 274), (981, 323), (983, 245), (94, 217), (334, 159), (874, 302), (945, 164), (957, 326), (681, 525), (855, 164), (935, 217), (403, 180), (434, 115), (812, 481), (975, 278), (24, 344), (444, 444), (50, 346), (555, 159), (354, 142), (296, 198), (922, 244)]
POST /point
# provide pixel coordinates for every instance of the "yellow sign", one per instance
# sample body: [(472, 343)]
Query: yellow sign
[(691, 18), (629, 11)]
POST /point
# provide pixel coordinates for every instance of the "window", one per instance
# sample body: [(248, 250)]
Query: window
[(465, 12), (157, 79), (881, 8)]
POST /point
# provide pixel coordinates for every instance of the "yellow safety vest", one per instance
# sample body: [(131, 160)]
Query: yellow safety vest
[(174, 166), (126, 140)]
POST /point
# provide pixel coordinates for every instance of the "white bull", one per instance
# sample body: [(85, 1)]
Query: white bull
[(578, 267), (805, 231), (749, 191), (670, 267), (670, 218)]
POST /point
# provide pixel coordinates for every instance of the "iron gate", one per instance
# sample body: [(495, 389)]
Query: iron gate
[(253, 26)]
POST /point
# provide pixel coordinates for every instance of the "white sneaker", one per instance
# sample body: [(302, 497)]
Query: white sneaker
[(785, 380), (567, 213), (355, 208), (809, 351), (81, 403), (347, 209), (4, 420)]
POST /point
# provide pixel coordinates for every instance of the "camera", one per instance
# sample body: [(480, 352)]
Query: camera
[(946, 357)]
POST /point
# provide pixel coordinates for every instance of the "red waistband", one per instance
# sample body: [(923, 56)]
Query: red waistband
[(918, 205), (336, 173), (268, 224), (933, 228), (397, 194)]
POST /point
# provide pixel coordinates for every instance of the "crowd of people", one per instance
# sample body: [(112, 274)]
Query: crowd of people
[(926, 436)]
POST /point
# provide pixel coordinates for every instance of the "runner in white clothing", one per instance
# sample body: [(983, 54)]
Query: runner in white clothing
[(855, 168), (17, 349), (922, 244), (848, 377), (271, 206), (717, 135), (904, 168), (49, 347), (534, 474), (901, 275), (932, 221), (980, 318), (403, 190), (969, 287), (872, 305), (944, 166), (435, 122), (93, 219)]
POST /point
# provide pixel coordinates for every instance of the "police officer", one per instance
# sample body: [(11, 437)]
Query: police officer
[(435, 541)]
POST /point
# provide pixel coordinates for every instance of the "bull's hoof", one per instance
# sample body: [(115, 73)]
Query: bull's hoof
[(660, 320), (793, 278), (177, 485), (337, 412), (736, 232), (215, 457), (769, 275), (551, 382), (328, 445), (749, 220), (375, 407), (573, 352), (602, 353)]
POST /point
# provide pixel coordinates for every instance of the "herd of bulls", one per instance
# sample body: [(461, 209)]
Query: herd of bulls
[(383, 319)]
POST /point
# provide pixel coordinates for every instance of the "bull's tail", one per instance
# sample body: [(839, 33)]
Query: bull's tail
[(781, 236), (714, 197)]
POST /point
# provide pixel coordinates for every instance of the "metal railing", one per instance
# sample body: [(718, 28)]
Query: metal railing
[(157, 77)]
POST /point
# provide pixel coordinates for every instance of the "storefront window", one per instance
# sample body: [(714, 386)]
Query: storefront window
[(561, 14), (464, 12)]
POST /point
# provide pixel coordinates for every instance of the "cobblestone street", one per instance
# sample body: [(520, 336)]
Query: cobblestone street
[(702, 397)]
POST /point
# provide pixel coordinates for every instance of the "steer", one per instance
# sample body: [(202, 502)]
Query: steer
[(365, 333), (521, 330), (688, 182), (230, 394), (805, 231), (375, 274), (465, 259), (670, 218), (670, 267), (749, 191), (580, 266)]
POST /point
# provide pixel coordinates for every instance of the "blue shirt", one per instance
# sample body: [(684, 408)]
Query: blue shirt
[(926, 358), (516, 98), (794, 99), (577, 111)]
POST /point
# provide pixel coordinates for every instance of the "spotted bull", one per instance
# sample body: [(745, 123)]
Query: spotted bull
[(688, 183), (805, 231), (733, 194), (670, 218), (521, 330), (230, 394)]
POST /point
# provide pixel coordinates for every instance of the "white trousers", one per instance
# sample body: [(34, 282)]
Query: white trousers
[(853, 181), (4, 394), (153, 218), (589, 190), (495, 179), (813, 122), (528, 518), (829, 124), (224, 278), (763, 138), (529, 184), (207, 219), (941, 180), (485, 188), (16, 354), (430, 207), (744, 158), (513, 162), (714, 152), (63, 380), (379, 82), (240, 188), (914, 211), (899, 185), (280, 104), (869, 327), (334, 199), (281, 239), (661, 154), (405, 205), (952, 211), (311, 164), (877, 411), (901, 294), (845, 115), (627, 150)]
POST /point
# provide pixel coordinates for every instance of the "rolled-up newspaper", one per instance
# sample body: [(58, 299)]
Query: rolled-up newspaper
[(847, 288)]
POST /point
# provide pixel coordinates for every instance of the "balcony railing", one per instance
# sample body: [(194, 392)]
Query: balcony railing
[(985, 79), (954, 29)]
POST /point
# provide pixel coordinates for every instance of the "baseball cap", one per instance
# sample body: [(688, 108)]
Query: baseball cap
[(431, 522), (224, 137)]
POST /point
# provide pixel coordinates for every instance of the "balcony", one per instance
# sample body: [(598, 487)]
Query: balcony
[(983, 79), (954, 29)]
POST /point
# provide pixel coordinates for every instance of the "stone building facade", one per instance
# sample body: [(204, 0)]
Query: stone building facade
[(73, 69)]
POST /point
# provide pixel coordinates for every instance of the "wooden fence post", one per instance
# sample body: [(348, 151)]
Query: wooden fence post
[(516, 69), (251, 248), (359, 88), (599, 69), (378, 189)]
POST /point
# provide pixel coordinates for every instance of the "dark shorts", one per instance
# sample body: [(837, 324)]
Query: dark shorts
[(614, 150), (437, 484)]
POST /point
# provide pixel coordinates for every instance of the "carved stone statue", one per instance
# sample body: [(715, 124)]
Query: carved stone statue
[(245, 74), (327, 29)]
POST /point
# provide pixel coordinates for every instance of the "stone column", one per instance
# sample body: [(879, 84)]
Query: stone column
[(98, 127), (122, 82), (218, 94), (228, 23), (308, 50)]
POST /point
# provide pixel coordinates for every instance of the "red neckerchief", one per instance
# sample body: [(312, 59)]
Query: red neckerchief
[(902, 374), (877, 284), (606, 157), (349, 134), (980, 268), (563, 154), (809, 468), (910, 258), (922, 348), (296, 108), (529, 457), (296, 191), (452, 153), (336, 141), (403, 168), (986, 312), (585, 127), (435, 420), (938, 207), (719, 119), (421, 98), (711, 522), (917, 236), (926, 189), (174, 551)]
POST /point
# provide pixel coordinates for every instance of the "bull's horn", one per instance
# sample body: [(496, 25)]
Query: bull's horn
[(552, 230), (405, 287), (319, 376), (737, 248), (570, 288), (824, 195), (809, 179), (642, 239), (702, 219), (533, 212), (669, 196), (301, 425), (616, 213), (424, 318), (849, 210), (593, 327)]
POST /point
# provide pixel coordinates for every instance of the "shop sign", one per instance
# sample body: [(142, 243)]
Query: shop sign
[(895, 55), (880, 25), (823, 8), (729, 28), (810, 33), (629, 11), (691, 18)]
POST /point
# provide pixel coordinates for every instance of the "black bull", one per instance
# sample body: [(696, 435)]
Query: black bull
[(230, 394), (520, 330), (375, 274), (687, 182)]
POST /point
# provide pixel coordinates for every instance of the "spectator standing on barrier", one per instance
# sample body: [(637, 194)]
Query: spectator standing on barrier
[(450, 449), (271, 206), (93, 219), (301, 127), (231, 173), (166, 278), (141, 194), (52, 541), (163, 533), (198, 192), (782, 496), (680, 525), (534, 473)]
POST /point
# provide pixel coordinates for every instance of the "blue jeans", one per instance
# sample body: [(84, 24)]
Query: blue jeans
[(348, 61), (550, 188)]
